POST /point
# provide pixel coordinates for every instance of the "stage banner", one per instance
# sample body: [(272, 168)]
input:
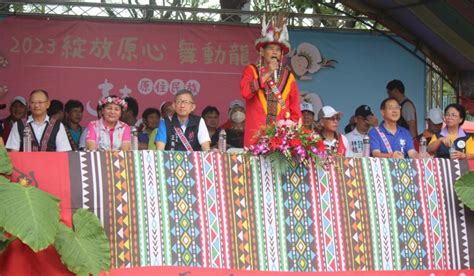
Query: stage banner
[(87, 60)]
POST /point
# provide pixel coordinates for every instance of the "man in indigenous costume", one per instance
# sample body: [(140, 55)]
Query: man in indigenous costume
[(269, 88)]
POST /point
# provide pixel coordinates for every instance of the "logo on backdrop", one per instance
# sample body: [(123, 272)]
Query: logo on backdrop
[(3, 64), (307, 60)]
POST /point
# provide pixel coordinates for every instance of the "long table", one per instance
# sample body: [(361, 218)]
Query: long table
[(233, 211)]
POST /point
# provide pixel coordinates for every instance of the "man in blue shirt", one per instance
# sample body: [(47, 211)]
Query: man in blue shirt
[(390, 140), (184, 131)]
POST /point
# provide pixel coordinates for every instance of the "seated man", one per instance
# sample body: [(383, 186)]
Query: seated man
[(235, 132), (151, 119), (73, 112), (48, 134), (307, 116), (364, 118), (210, 114), (18, 111), (335, 144), (389, 139), (185, 131), (434, 121)]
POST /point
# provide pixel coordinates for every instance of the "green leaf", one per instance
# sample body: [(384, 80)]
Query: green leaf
[(4, 241), (5, 163), (29, 214), (85, 250), (464, 188)]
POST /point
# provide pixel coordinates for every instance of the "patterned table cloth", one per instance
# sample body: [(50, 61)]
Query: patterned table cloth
[(233, 211)]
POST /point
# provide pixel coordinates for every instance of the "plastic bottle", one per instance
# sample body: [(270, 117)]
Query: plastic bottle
[(366, 146), (134, 145), (423, 146), (27, 139), (222, 143), (173, 142)]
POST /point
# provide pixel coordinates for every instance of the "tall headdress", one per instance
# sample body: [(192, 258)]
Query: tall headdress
[(274, 32)]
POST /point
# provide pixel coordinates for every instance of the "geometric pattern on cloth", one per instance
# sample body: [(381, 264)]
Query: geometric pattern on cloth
[(234, 211)]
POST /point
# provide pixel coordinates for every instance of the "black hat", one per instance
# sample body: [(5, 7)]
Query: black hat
[(364, 111)]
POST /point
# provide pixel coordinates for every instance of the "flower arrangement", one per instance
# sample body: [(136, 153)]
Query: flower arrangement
[(286, 143), (115, 100)]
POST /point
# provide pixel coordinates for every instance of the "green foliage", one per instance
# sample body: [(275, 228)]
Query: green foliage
[(4, 241), (464, 188), (5, 164), (29, 214), (86, 249)]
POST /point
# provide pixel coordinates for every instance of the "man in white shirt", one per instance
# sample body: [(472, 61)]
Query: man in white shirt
[(48, 134), (364, 119)]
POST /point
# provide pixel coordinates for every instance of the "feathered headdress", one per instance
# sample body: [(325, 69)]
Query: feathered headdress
[(274, 32)]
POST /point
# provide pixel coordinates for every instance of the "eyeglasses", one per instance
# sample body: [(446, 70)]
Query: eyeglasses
[(451, 115), (393, 107), (334, 119), (184, 102), (38, 103)]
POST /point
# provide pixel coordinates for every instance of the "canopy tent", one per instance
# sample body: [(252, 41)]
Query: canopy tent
[(442, 30)]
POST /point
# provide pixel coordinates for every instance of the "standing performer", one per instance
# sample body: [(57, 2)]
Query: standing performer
[(269, 88)]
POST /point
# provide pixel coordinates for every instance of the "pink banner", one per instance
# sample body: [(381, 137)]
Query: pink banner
[(87, 60)]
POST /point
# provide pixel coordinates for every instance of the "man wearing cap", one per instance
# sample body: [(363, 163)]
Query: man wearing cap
[(434, 122), (233, 104), (18, 111), (389, 140), (269, 88), (335, 144), (364, 119), (307, 116), (48, 134)]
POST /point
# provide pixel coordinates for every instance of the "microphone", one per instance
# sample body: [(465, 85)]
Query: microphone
[(275, 73)]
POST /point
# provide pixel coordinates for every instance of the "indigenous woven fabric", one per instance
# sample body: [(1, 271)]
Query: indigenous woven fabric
[(233, 211)]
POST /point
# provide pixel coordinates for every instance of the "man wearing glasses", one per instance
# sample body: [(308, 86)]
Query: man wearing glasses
[(390, 140), (335, 143), (184, 131), (48, 134)]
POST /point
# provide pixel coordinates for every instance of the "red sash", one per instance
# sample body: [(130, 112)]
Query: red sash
[(183, 139)]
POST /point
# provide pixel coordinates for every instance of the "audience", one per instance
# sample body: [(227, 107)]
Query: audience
[(151, 120), (48, 134), (235, 133), (232, 104), (307, 116), (109, 133), (434, 122), (129, 116), (389, 139), (335, 144), (210, 114), (18, 111), (167, 109), (56, 110), (73, 112), (364, 118), (184, 131), (451, 141), (396, 90)]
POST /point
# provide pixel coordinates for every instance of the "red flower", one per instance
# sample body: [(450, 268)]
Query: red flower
[(275, 142), (321, 146), (307, 131), (295, 142)]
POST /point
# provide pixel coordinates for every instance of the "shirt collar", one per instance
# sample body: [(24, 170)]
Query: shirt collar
[(30, 119), (444, 132), (118, 125), (382, 127)]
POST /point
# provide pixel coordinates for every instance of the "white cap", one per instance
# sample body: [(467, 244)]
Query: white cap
[(435, 115), (18, 99), (234, 104), (305, 106), (328, 112)]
